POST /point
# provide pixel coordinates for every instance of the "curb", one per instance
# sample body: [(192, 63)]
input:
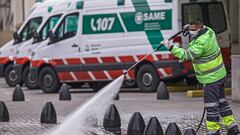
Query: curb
[(173, 89), (199, 93)]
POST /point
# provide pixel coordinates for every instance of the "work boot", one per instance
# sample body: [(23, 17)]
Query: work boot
[(217, 133), (233, 131)]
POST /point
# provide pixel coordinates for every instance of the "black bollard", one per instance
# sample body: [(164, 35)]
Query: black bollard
[(48, 114), (18, 94), (136, 125), (112, 120), (116, 97), (173, 129), (153, 127), (64, 93), (162, 91), (4, 116), (190, 131)]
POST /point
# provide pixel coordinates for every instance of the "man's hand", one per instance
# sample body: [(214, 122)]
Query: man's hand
[(166, 43)]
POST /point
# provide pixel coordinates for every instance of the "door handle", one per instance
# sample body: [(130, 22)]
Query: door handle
[(74, 45)]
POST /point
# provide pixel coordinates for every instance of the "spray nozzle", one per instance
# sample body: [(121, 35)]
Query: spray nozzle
[(125, 72), (185, 30), (186, 27)]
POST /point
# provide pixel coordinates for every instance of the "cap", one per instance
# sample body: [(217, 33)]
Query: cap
[(196, 21)]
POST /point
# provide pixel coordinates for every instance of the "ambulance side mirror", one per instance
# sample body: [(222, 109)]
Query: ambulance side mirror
[(35, 35), (15, 35), (17, 38), (51, 36)]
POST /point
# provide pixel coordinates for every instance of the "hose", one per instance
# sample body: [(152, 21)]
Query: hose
[(200, 124), (203, 114)]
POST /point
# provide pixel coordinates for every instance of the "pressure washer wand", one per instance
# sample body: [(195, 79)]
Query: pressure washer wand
[(185, 28), (150, 53)]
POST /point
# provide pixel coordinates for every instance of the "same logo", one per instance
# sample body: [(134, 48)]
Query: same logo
[(139, 18)]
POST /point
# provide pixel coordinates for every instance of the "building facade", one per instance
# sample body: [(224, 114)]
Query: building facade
[(13, 12)]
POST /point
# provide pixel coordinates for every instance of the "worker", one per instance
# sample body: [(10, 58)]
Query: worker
[(206, 57)]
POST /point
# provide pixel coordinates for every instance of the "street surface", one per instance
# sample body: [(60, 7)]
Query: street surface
[(25, 116)]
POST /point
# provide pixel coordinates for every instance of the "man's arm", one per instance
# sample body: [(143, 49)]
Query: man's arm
[(193, 52)]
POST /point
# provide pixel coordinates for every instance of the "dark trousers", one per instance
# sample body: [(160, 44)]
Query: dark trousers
[(216, 106)]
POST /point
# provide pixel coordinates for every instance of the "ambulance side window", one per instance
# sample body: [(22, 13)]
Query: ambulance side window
[(217, 17), (49, 26), (190, 12), (68, 28), (212, 14), (27, 30)]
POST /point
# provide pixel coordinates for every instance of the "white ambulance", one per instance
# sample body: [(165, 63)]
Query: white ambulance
[(98, 40), (23, 55), (37, 16), (8, 51)]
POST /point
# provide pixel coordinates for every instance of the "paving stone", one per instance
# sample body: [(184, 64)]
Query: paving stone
[(25, 116)]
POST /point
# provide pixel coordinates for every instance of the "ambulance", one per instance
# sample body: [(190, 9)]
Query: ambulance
[(8, 51), (97, 41), (23, 54)]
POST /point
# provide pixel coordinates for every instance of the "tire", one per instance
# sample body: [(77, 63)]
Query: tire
[(11, 77), (31, 83), (130, 84), (147, 78), (48, 81), (96, 86)]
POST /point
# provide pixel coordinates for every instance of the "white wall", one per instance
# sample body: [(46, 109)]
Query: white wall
[(28, 6), (17, 11), (5, 16), (235, 19), (19, 14), (234, 10)]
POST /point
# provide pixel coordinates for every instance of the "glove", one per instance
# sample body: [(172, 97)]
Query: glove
[(166, 43)]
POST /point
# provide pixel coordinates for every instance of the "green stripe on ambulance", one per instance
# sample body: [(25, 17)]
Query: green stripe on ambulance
[(101, 24), (148, 21), (143, 20), (133, 21)]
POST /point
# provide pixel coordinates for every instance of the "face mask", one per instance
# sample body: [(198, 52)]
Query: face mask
[(194, 33)]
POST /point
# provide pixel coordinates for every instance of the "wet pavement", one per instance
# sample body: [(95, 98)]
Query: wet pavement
[(25, 116)]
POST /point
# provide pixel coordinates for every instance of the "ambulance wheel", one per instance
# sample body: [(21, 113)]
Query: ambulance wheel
[(96, 86), (130, 84), (48, 80), (29, 81), (147, 78), (11, 76)]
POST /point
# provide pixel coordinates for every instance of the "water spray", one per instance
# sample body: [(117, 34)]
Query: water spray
[(78, 120)]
